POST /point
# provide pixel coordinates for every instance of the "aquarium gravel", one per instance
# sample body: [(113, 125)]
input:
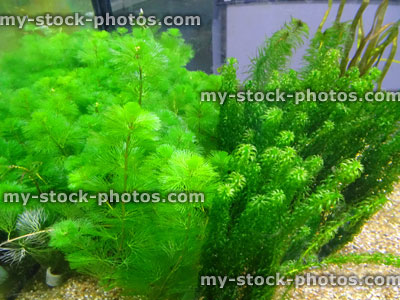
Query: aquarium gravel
[(75, 288), (380, 234)]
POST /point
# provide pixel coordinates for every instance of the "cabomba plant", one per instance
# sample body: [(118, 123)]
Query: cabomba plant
[(285, 185), (101, 112)]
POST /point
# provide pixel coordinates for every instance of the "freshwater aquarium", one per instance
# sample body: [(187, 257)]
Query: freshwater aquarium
[(199, 150)]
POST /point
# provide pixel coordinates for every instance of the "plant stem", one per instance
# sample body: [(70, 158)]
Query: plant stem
[(140, 80), (140, 84), (25, 236), (126, 167), (350, 41), (57, 144), (29, 172), (388, 63), (179, 261), (325, 16), (340, 11)]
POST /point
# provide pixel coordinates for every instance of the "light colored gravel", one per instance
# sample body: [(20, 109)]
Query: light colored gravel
[(380, 234), (76, 288)]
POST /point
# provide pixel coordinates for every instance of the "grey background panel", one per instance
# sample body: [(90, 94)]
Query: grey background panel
[(249, 24)]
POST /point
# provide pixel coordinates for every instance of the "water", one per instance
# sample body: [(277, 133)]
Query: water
[(36, 7), (200, 37)]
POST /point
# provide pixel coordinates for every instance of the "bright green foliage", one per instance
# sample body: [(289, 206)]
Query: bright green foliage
[(99, 112)]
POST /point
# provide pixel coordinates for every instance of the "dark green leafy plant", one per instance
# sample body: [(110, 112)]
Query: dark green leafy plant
[(302, 178)]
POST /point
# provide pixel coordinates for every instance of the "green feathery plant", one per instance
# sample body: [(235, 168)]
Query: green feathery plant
[(99, 112), (302, 178), (275, 54)]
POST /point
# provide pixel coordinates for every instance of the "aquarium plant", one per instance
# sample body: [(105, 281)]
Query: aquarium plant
[(101, 112), (300, 179), (285, 184)]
